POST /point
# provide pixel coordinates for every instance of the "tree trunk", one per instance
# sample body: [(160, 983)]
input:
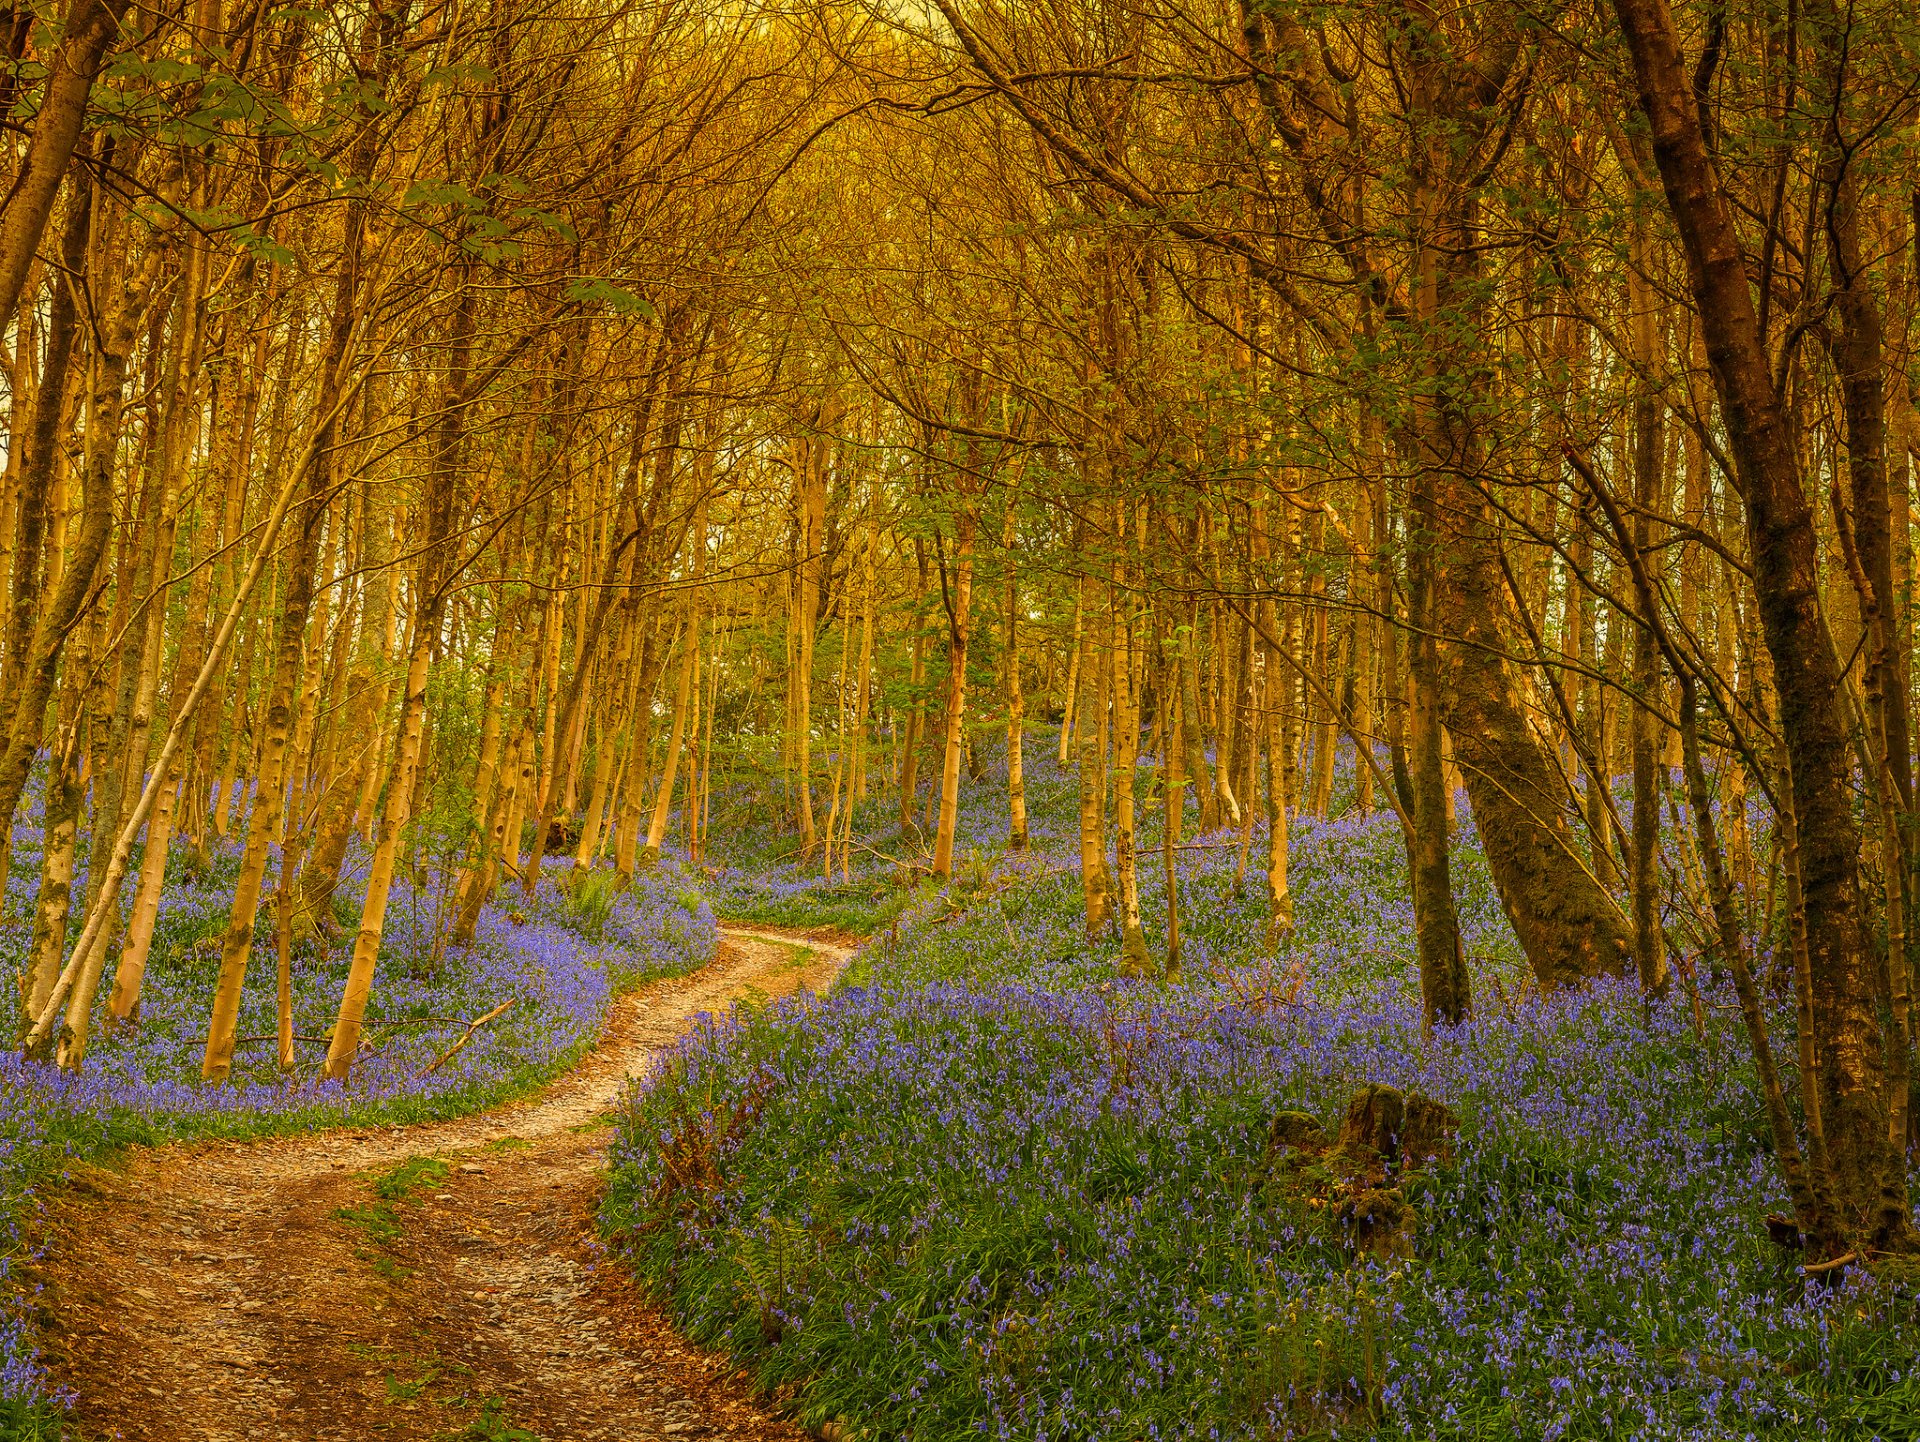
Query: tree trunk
[(80, 558), (1016, 700), (916, 711), (1173, 783), (1868, 1169), (1192, 727), (1444, 987), (1134, 958), (1276, 682), (1649, 943), (89, 31), (1096, 886), (344, 1045), (1568, 926), (297, 599), (676, 738), (1073, 685), (65, 790), (959, 636)]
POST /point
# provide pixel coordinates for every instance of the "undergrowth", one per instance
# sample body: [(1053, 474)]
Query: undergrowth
[(989, 1188)]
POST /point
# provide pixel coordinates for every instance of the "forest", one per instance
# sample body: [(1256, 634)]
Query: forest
[(1070, 719)]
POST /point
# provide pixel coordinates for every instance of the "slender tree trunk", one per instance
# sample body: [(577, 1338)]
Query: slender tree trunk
[(42, 459), (297, 599), (603, 787), (916, 712), (60, 828), (1016, 700), (269, 782), (1276, 682), (1073, 685), (39, 468), (1225, 709), (676, 738), (1096, 886), (811, 505), (500, 817), (1649, 944), (344, 1045), (1135, 961), (1173, 783), (1192, 729), (959, 637), (653, 658), (1366, 571)]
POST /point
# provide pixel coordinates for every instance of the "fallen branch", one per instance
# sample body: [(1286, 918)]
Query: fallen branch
[(1814, 1269), (465, 1037)]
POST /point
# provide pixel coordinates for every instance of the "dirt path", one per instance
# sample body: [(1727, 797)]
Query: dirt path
[(214, 1293)]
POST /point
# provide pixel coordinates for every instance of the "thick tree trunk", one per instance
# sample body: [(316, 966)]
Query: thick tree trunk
[(80, 558), (91, 27), (1444, 986), (1568, 926), (1868, 1168)]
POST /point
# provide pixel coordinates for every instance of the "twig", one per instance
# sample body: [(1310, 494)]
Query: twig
[(1814, 1269), (465, 1037), (244, 1040)]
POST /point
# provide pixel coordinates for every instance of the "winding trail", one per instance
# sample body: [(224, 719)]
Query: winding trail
[(212, 1292)]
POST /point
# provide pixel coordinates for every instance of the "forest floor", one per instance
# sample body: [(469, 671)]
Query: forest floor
[(429, 1282)]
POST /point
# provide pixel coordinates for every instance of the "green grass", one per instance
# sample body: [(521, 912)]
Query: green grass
[(33, 1422), (410, 1176), (381, 1221), (492, 1425), (859, 909)]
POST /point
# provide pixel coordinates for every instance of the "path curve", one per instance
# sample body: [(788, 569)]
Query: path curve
[(211, 1293)]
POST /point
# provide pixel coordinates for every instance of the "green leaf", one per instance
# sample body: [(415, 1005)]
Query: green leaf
[(593, 290)]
